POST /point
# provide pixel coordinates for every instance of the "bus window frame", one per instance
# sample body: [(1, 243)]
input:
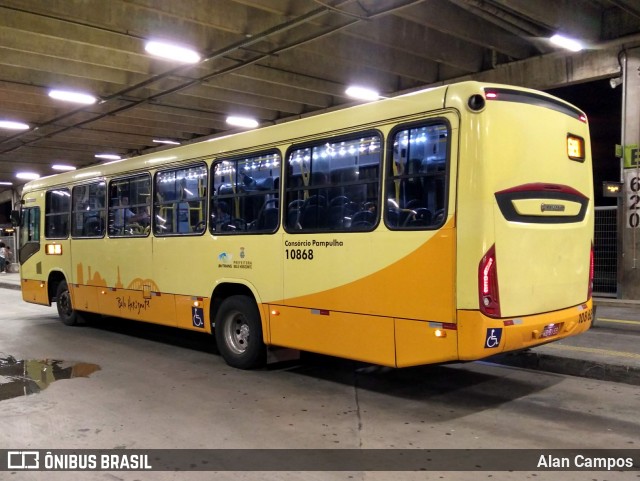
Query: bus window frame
[(318, 141), (446, 174), (56, 214), (154, 192), (115, 209), (104, 208), (278, 191)]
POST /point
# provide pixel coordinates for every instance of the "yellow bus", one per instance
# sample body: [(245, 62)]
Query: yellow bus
[(448, 224)]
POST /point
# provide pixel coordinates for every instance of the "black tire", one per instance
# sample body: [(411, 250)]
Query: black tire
[(238, 333), (65, 307)]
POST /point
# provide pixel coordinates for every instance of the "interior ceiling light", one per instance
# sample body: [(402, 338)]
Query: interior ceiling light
[(238, 121), (6, 183), (172, 52), (27, 175), (166, 141), (362, 93), (11, 125), (62, 167), (69, 96), (108, 156), (566, 42)]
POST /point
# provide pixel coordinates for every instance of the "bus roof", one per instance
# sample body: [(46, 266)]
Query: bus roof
[(341, 119)]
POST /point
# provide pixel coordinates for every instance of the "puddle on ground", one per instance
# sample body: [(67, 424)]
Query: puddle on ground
[(24, 377)]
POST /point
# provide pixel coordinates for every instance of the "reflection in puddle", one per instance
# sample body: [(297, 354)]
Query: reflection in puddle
[(20, 377)]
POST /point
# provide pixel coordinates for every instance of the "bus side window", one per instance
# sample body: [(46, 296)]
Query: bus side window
[(333, 185), (88, 213), (129, 206), (246, 194), (417, 177), (179, 207), (56, 212)]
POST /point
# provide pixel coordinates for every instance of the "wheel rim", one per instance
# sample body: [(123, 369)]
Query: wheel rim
[(64, 303), (237, 333)]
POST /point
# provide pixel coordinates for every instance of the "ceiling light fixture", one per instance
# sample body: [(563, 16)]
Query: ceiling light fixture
[(27, 175), (6, 183), (163, 141), (246, 122), (362, 93), (11, 125), (62, 167), (108, 156), (172, 52), (69, 96), (566, 42)]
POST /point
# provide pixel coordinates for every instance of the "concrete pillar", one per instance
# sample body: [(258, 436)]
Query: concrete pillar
[(629, 251)]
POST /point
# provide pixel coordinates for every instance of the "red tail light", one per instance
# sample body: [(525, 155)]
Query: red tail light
[(591, 269), (488, 284)]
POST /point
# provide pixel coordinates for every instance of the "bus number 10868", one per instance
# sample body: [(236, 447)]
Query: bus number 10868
[(299, 254)]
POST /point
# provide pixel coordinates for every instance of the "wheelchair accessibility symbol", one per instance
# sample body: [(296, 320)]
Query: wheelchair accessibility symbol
[(492, 339), (197, 317)]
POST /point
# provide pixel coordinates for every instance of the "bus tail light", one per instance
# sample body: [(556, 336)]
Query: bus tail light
[(488, 284), (591, 271)]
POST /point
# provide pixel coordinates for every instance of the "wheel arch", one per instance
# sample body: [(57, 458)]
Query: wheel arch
[(225, 289), (55, 278)]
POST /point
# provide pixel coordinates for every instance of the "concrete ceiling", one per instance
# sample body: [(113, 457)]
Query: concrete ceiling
[(272, 59)]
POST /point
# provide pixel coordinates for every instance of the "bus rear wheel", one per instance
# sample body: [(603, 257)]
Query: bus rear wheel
[(238, 333), (65, 307)]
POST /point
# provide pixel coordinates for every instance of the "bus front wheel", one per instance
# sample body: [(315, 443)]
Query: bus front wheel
[(65, 308), (238, 333)]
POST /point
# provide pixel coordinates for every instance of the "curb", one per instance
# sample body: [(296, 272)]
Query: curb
[(601, 371)]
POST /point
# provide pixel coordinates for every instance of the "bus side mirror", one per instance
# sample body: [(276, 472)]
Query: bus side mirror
[(15, 218)]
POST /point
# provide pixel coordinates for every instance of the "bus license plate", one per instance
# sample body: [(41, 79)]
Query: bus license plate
[(551, 330)]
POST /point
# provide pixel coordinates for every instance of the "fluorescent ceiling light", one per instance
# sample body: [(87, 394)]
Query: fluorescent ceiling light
[(62, 167), (242, 121), (27, 175), (172, 52), (69, 96), (108, 156), (11, 125), (163, 141), (362, 93), (566, 42), (6, 183)]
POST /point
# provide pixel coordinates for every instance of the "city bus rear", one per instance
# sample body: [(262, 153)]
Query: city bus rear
[(525, 222)]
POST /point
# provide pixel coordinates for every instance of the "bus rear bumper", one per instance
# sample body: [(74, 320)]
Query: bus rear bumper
[(480, 336)]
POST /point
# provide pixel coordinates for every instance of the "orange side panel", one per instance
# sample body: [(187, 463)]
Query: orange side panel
[(84, 298), (417, 344), (158, 309), (193, 317), (35, 292), (352, 336)]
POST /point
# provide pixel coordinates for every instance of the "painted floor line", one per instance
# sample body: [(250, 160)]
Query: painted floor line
[(620, 321), (594, 350)]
